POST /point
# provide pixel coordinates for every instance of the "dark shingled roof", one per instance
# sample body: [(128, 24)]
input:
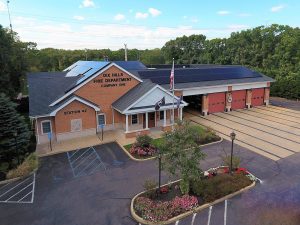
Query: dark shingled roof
[(133, 95), (44, 88)]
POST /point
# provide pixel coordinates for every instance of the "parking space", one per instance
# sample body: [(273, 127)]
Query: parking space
[(85, 161), (273, 132), (21, 191)]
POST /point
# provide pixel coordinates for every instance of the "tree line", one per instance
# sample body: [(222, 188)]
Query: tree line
[(273, 50)]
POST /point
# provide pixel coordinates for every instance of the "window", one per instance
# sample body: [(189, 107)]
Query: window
[(161, 115), (46, 126), (101, 119), (134, 119)]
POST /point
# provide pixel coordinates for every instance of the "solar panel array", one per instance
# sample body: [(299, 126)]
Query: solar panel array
[(187, 75), (84, 68), (131, 65)]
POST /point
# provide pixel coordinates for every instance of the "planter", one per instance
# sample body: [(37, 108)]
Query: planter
[(186, 213)]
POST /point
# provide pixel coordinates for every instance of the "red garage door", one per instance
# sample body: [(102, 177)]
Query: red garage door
[(216, 102), (257, 97), (238, 99)]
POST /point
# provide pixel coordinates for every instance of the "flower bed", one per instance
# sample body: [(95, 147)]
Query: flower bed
[(142, 152), (168, 203)]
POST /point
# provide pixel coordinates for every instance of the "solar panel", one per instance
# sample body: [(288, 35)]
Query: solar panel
[(162, 76), (83, 67), (131, 65)]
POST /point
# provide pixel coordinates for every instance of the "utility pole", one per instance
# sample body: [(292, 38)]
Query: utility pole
[(125, 52), (11, 31)]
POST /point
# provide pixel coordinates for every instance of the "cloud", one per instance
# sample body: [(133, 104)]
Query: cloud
[(87, 4), (244, 14), (2, 6), (277, 8), (78, 17), (119, 17), (140, 15), (154, 12), (94, 36), (223, 12)]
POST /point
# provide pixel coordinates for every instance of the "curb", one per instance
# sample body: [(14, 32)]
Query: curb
[(17, 178), (185, 214), (154, 157)]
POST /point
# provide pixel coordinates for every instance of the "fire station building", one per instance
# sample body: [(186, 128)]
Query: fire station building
[(93, 95)]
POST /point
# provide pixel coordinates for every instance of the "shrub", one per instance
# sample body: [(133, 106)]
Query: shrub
[(216, 187), (236, 161), (24, 169), (150, 187), (143, 140)]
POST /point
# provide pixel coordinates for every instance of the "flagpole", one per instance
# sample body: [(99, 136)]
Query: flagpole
[(173, 114)]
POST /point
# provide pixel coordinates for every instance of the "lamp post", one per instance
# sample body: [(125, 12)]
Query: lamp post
[(16, 146), (159, 171), (232, 136)]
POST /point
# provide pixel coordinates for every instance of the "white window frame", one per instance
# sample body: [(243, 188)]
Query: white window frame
[(46, 121), (98, 119), (137, 119)]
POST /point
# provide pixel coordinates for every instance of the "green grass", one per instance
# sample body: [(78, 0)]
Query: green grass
[(156, 142)]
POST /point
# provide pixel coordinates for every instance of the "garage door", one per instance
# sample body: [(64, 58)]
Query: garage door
[(216, 102), (257, 97), (238, 99)]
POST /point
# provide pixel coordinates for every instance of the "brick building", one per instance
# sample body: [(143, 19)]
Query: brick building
[(89, 95)]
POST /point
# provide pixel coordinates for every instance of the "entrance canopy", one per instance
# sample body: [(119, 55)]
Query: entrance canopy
[(143, 98)]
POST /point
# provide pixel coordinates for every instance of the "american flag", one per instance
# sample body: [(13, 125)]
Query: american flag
[(172, 77)]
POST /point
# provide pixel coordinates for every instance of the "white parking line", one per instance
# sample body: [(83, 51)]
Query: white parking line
[(33, 188), (18, 192), (21, 198), (225, 213), (177, 222), (14, 187), (209, 215), (193, 219)]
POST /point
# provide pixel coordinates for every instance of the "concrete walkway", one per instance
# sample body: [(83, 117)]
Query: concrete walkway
[(271, 131), (108, 136)]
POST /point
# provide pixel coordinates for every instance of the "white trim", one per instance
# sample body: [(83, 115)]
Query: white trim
[(150, 109), (42, 130), (221, 88), (53, 113), (137, 119), (37, 131), (143, 96), (91, 78)]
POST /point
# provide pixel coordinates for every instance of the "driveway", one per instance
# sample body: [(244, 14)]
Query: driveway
[(273, 132), (71, 189)]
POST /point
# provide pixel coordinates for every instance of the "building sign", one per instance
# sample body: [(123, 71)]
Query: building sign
[(75, 111), (112, 80)]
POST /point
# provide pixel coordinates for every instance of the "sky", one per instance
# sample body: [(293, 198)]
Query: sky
[(141, 24)]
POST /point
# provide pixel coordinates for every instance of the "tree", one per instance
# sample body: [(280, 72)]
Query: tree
[(13, 61), (182, 155), (11, 123)]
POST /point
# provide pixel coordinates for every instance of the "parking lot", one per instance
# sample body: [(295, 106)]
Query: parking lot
[(100, 191), (273, 132)]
